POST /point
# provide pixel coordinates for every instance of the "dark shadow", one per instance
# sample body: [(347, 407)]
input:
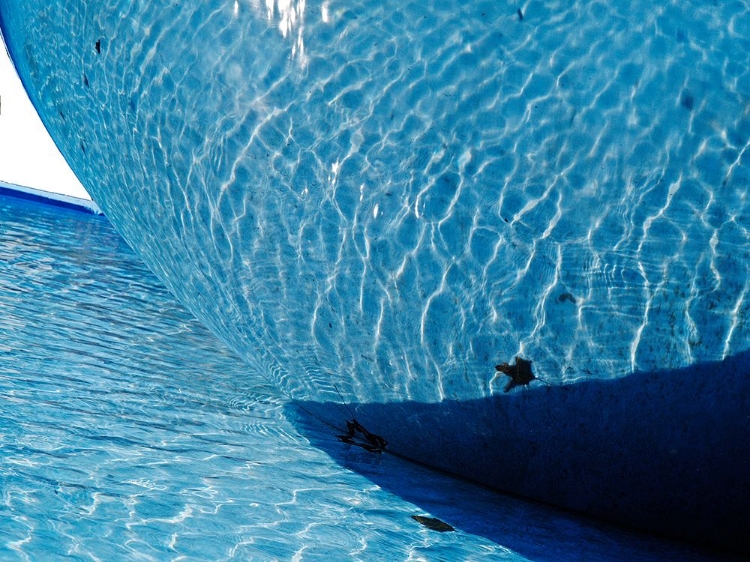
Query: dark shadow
[(665, 452)]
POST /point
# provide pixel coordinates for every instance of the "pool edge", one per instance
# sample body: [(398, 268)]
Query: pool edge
[(49, 198)]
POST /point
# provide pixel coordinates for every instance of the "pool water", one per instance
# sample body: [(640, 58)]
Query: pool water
[(376, 203), (412, 192), (128, 431)]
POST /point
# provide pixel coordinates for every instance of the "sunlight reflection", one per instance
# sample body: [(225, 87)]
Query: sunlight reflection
[(291, 23)]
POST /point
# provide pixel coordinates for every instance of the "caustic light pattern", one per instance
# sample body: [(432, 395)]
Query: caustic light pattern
[(381, 202)]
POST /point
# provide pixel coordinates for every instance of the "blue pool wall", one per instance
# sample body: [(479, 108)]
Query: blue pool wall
[(49, 198), (593, 223), (377, 204)]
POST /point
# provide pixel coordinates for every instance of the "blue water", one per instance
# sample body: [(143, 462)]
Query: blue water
[(378, 202), (128, 431), (397, 196)]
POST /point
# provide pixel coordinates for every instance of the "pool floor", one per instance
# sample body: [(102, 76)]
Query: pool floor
[(128, 431)]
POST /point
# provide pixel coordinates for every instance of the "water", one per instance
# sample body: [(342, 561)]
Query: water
[(397, 196), (128, 431), (383, 201)]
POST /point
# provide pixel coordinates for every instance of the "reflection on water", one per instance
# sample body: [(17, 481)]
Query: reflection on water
[(289, 16)]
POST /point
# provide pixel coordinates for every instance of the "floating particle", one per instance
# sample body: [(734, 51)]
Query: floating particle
[(357, 435), (520, 374), (566, 297), (433, 523), (687, 101)]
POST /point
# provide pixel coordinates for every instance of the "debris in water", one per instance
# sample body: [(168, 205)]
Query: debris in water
[(357, 435), (520, 373), (687, 101), (566, 297), (433, 523)]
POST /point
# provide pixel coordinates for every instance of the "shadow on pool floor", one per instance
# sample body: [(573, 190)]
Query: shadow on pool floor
[(665, 452)]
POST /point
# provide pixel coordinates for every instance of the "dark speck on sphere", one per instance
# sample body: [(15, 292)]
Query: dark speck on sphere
[(566, 297), (687, 101)]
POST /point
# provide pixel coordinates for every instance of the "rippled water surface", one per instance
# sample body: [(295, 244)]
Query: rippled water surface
[(378, 201), (127, 431), (413, 191)]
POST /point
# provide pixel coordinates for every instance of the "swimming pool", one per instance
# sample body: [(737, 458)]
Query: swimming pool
[(377, 203), (128, 431)]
